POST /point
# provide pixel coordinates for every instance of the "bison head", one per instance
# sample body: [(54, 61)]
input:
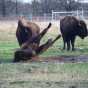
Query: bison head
[(83, 29)]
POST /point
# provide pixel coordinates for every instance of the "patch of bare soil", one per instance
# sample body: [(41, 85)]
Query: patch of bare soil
[(72, 59)]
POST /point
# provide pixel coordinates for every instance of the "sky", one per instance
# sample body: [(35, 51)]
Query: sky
[(26, 0), (84, 1)]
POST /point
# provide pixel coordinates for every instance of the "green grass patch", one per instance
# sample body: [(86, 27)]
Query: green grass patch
[(48, 75), (7, 48)]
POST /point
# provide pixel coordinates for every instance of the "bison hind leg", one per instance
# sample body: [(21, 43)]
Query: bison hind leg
[(64, 43), (73, 43), (68, 45)]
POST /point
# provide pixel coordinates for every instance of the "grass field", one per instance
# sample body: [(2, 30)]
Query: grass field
[(41, 74), (8, 42)]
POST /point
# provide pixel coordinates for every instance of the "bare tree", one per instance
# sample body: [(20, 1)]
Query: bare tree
[(3, 8), (35, 7)]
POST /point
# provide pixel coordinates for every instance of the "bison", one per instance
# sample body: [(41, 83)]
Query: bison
[(71, 27), (29, 40), (31, 52), (26, 30)]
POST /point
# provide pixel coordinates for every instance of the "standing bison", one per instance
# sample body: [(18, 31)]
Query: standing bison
[(29, 36), (71, 27)]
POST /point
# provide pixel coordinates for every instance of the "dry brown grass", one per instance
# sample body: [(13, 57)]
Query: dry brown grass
[(8, 29)]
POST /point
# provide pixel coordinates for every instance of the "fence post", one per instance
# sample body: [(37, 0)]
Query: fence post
[(44, 16), (77, 13), (52, 15), (3, 8), (82, 13), (30, 17), (16, 8)]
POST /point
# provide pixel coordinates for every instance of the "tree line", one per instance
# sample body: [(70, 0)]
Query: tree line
[(38, 7)]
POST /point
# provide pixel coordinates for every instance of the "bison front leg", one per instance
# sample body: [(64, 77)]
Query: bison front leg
[(45, 46), (64, 44)]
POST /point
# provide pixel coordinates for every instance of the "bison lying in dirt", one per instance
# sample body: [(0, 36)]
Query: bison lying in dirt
[(29, 36), (70, 28)]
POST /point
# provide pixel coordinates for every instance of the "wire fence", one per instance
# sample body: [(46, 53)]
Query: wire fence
[(54, 16), (78, 13), (11, 9)]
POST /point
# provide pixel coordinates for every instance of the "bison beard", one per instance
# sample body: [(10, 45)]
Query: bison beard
[(71, 27), (30, 48)]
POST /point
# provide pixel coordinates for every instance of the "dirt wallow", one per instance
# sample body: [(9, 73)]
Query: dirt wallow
[(60, 59)]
